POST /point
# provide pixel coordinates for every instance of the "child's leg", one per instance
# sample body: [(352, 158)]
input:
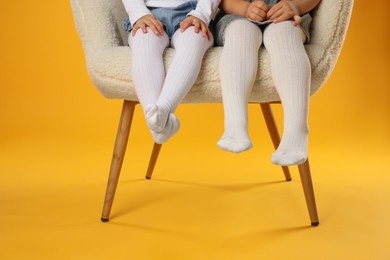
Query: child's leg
[(291, 73), (238, 68), (147, 68), (190, 48)]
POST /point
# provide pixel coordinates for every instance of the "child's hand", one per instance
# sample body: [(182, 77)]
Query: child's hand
[(148, 21), (257, 11), (284, 10), (198, 24)]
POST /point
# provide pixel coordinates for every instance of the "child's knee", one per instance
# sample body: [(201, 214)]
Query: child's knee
[(237, 26), (196, 35), (150, 39), (280, 31), (190, 37), (242, 31), (282, 28)]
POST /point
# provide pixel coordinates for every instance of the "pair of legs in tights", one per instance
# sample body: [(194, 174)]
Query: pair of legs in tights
[(158, 92), (291, 73)]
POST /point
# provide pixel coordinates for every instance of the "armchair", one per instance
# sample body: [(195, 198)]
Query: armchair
[(108, 58)]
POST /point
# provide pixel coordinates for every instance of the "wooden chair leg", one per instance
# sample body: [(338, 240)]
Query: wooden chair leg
[(304, 172), (153, 160), (118, 155), (273, 132)]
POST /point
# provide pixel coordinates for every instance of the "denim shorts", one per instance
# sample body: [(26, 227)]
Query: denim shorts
[(223, 21), (169, 17)]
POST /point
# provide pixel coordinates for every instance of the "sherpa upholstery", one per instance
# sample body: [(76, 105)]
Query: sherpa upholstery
[(99, 24)]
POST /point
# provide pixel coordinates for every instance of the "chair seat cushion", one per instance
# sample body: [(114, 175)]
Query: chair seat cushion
[(110, 71)]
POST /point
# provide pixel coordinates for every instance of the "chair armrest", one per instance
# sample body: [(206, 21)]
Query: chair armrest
[(330, 23), (96, 25)]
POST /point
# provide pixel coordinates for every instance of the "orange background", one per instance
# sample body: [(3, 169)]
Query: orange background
[(46, 89), (57, 134)]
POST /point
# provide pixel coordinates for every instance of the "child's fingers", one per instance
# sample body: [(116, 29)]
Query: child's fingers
[(184, 27), (297, 20), (255, 16), (185, 24), (280, 18), (161, 26), (261, 5), (148, 21), (209, 35), (257, 11), (143, 27), (204, 29), (134, 31), (153, 28), (272, 12), (283, 11), (156, 26), (196, 27), (281, 15), (262, 13)]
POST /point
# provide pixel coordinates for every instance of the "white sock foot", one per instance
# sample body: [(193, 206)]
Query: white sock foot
[(156, 117), (291, 151), (236, 143), (171, 128)]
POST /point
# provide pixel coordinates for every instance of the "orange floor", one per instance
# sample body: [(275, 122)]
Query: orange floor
[(202, 203)]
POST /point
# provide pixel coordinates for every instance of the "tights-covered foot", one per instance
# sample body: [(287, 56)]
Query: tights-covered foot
[(156, 117), (291, 151), (235, 142), (171, 128)]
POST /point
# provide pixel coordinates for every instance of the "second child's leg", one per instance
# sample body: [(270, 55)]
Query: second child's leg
[(190, 48), (238, 68), (292, 75)]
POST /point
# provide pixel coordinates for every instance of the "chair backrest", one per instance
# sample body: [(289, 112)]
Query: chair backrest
[(331, 18), (328, 31), (330, 21), (119, 14), (99, 23)]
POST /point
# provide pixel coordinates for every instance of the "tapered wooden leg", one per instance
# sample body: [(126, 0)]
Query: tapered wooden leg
[(118, 155), (153, 160), (273, 132), (304, 172)]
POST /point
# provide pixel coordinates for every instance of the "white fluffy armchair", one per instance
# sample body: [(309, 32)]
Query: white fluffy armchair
[(99, 24)]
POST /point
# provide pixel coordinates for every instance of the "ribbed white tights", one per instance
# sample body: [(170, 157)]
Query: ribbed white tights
[(238, 68), (160, 93), (291, 74)]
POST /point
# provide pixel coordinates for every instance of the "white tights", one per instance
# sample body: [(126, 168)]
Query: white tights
[(160, 93), (291, 73)]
